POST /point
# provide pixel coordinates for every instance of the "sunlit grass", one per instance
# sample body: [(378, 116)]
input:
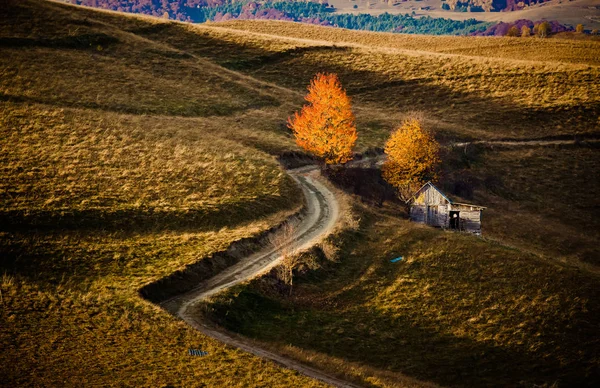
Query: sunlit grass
[(116, 172), (533, 49), (132, 147), (456, 310)]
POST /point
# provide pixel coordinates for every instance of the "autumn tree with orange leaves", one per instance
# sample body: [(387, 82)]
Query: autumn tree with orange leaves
[(413, 158), (325, 126)]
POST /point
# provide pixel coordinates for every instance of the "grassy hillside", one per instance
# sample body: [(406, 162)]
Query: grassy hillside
[(133, 146), (122, 161), (543, 50), (491, 93), (456, 311), (542, 199)]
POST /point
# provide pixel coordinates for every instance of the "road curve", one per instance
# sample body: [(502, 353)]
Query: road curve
[(321, 214)]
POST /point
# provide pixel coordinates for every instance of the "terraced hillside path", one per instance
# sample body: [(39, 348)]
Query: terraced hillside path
[(321, 214)]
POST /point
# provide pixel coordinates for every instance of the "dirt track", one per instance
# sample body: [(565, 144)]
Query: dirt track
[(530, 142), (322, 211)]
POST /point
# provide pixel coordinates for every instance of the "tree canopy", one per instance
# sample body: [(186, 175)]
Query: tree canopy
[(325, 126), (412, 158)]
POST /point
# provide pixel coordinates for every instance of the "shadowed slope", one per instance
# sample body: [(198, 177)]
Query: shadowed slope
[(115, 172)]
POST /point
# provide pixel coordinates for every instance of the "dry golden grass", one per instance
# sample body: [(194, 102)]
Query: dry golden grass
[(479, 95), (542, 199), (461, 95), (89, 220), (457, 310), (537, 50), (146, 80), (122, 162), (77, 161), (132, 147), (73, 316)]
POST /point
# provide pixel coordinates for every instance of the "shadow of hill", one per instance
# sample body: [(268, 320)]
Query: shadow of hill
[(140, 219), (472, 314), (393, 343), (56, 57), (189, 109), (29, 239), (294, 67), (366, 183), (77, 42)]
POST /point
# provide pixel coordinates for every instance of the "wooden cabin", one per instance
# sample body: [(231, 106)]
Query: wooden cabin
[(430, 206)]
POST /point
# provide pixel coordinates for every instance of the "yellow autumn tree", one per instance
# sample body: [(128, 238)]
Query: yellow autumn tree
[(325, 126), (542, 30), (413, 158), (513, 32)]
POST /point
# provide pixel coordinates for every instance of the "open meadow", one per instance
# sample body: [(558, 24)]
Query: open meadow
[(455, 311), (497, 91), (134, 146), (122, 161)]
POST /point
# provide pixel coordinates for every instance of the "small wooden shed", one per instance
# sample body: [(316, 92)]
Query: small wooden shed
[(432, 207)]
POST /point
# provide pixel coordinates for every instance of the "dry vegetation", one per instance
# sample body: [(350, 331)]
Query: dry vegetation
[(80, 163), (456, 311), (480, 97), (115, 173), (463, 97), (576, 52), (132, 147), (543, 199)]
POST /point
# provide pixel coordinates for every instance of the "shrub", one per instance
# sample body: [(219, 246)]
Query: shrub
[(513, 31), (543, 29)]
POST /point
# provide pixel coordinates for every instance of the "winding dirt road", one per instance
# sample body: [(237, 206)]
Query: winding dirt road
[(321, 214)]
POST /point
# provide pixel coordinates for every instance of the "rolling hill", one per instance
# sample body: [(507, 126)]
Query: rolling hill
[(133, 146), (123, 160), (571, 13)]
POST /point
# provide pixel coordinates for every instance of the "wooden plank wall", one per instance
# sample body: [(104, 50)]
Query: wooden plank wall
[(442, 218), (430, 197), (438, 216), (417, 213), (470, 217), (471, 220)]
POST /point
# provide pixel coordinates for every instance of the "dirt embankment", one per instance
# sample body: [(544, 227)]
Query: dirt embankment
[(247, 258)]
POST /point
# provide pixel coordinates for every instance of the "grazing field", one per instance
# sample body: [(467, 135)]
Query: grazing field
[(538, 50), (456, 311), (488, 94), (133, 146), (477, 96), (542, 199), (115, 173)]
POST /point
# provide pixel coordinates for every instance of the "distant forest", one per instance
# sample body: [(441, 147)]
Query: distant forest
[(487, 5), (199, 11)]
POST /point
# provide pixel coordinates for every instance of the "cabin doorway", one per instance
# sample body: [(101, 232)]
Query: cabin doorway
[(455, 220)]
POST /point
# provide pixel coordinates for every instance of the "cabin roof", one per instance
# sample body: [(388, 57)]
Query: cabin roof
[(452, 202)]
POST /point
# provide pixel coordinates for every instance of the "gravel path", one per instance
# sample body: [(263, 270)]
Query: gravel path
[(322, 211)]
